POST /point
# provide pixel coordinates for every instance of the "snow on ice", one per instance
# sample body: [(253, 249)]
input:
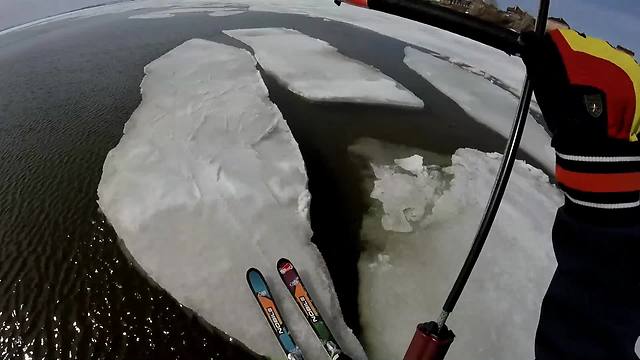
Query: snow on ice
[(317, 71), (406, 200), (483, 101), (405, 276), (208, 181), (212, 11), (228, 12)]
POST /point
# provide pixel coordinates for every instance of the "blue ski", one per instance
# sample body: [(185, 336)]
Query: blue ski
[(270, 310)]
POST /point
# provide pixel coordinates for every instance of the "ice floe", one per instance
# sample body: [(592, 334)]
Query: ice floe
[(208, 181), (317, 71), (406, 273)]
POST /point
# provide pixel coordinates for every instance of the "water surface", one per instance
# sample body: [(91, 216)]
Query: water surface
[(67, 287)]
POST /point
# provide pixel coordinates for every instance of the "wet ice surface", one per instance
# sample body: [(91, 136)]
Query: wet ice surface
[(317, 71), (483, 101), (415, 237), (208, 181)]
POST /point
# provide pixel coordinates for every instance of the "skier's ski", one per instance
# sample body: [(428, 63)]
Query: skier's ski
[(263, 295), (292, 280)]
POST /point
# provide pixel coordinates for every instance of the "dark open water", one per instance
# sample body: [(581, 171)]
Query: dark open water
[(67, 290)]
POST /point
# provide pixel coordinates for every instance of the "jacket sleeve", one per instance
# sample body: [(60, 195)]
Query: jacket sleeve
[(592, 308)]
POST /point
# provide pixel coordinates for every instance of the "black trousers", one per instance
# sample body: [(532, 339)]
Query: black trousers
[(592, 308)]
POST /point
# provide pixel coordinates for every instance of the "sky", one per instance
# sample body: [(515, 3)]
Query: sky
[(617, 21)]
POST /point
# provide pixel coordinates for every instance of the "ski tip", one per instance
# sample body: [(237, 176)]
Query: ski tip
[(283, 261), (252, 273), (284, 265), (256, 281)]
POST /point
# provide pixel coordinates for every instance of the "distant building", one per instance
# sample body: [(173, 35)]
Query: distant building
[(460, 5), (515, 10), (557, 23), (514, 18), (625, 50), (519, 20)]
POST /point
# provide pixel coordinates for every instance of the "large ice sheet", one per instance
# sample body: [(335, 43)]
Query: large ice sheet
[(483, 101), (208, 181), (316, 70), (405, 277), (482, 58)]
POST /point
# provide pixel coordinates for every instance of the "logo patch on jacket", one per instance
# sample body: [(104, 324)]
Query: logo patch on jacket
[(594, 105)]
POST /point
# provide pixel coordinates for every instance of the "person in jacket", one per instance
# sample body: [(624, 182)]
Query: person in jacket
[(589, 94)]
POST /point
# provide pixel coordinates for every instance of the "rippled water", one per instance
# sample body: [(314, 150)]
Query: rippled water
[(67, 287)]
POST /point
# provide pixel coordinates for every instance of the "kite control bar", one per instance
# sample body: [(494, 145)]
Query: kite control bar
[(448, 19), (433, 339)]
